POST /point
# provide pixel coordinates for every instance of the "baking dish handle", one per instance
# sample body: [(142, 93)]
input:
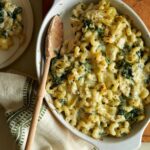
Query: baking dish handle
[(132, 143)]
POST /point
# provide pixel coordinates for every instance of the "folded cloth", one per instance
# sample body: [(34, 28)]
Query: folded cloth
[(17, 96)]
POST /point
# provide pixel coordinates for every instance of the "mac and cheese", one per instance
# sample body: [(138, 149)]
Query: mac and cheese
[(100, 81)]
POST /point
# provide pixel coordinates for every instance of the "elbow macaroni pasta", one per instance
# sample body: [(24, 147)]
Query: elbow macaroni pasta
[(100, 83), (11, 24)]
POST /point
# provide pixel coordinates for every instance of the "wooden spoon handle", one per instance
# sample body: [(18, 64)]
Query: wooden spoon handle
[(39, 101)]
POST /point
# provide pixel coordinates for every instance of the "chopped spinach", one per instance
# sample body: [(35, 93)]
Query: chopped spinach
[(126, 49), (67, 71), (58, 79), (147, 81), (100, 32), (133, 114), (87, 23), (4, 33), (80, 78), (1, 5), (1, 16), (130, 116), (103, 48), (123, 102), (147, 61), (1, 20), (14, 14), (10, 14), (83, 6), (121, 111), (137, 43), (126, 69), (102, 134), (123, 99), (107, 60), (1, 13), (140, 54), (63, 101), (88, 66), (17, 11), (119, 64)]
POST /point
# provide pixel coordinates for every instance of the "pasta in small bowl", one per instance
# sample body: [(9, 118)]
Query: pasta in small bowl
[(98, 85)]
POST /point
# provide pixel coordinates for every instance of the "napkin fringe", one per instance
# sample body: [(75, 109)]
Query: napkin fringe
[(20, 119)]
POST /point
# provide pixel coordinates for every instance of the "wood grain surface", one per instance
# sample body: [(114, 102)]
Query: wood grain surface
[(142, 7), (46, 6)]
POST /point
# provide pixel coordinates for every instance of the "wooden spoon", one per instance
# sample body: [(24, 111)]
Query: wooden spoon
[(53, 43)]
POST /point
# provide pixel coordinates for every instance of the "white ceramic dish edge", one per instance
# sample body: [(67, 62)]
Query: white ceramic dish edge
[(131, 142)]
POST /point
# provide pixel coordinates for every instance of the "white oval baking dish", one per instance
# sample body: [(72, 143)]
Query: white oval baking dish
[(64, 7)]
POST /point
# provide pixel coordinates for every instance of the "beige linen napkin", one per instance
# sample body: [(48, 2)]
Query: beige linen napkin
[(17, 96)]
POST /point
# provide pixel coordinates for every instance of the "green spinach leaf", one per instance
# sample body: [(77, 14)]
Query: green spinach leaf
[(58, 79), (125, 68), (17, 11), (126, 49)]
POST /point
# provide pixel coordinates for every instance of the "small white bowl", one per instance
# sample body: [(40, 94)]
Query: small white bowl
[(64, 7)]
